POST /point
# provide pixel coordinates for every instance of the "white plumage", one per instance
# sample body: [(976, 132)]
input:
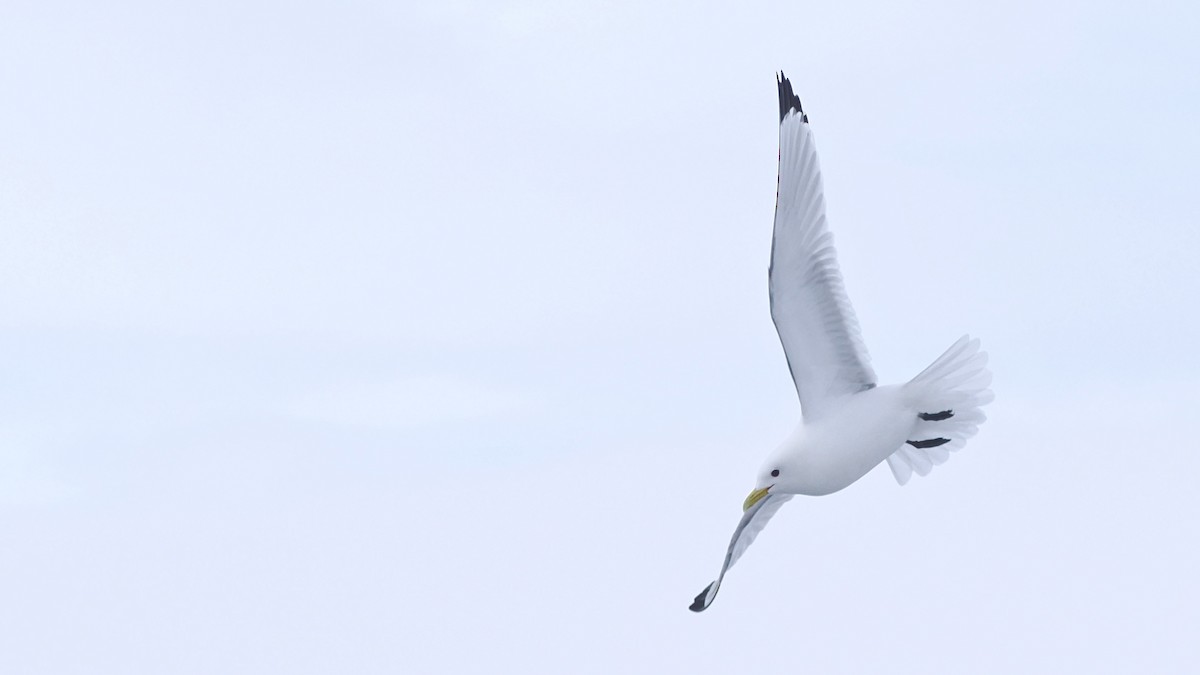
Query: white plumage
[(814, 318), (850, 425)]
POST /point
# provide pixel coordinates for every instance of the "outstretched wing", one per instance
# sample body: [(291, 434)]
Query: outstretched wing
[(753, 521), (809, 305)]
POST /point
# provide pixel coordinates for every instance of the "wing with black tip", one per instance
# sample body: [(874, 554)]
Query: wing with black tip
[(809, 305), (753, 521)]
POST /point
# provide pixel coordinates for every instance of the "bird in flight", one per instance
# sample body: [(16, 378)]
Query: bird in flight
[(849, 423)]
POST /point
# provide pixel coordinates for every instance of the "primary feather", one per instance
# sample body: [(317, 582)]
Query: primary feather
[(809, 305)]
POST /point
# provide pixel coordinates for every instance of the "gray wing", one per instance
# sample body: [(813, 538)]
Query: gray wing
[(812, 313), (753, 521)]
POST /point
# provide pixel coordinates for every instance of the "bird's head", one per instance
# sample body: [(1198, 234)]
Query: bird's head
[(776, 476)]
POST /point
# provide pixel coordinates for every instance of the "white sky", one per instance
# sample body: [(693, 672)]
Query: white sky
[(379, 338)]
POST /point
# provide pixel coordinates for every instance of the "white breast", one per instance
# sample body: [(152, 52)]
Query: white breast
[(833, 452)]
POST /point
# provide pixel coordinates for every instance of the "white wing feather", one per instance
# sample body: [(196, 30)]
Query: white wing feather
[(753, 521), (812, 313)]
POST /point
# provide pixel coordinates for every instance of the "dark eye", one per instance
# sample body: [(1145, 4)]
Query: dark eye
[(775, 473)]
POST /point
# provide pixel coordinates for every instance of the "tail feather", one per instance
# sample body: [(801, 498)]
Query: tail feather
[(947, 360), (937, 455), (948, 396)]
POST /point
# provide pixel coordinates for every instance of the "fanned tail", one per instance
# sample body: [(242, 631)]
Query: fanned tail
[(949, 396)]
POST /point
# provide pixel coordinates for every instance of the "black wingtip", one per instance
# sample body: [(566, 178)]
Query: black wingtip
[(698, 604), (788, 100), (937, 416)]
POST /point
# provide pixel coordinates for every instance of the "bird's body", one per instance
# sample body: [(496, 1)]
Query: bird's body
[(831, 453), (850, 424)]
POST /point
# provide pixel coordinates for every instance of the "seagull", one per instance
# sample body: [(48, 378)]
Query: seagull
[(849, 423)]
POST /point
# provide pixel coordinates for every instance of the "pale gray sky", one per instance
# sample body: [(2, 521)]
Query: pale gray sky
[(379, 337)]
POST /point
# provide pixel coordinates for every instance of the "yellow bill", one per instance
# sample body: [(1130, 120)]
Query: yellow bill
[(755, 497)]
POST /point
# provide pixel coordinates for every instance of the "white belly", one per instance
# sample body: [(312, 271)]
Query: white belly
[(835, 451)]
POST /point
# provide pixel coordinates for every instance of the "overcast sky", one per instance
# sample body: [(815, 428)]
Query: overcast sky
[(393, 338)]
